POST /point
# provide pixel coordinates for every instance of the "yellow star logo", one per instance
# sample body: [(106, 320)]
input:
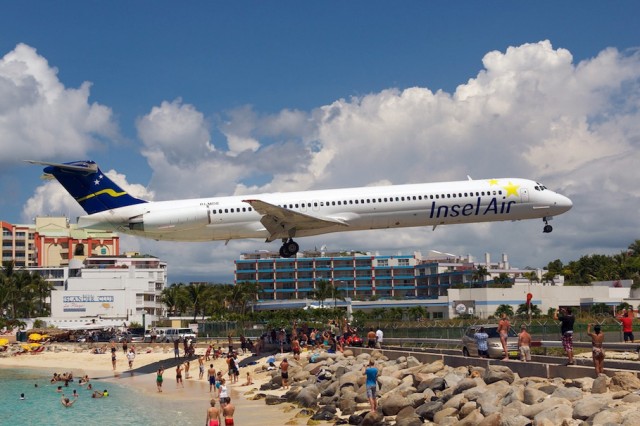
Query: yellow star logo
[(493, 182), (511, 189)]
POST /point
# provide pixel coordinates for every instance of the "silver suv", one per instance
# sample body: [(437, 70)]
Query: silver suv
[(172, 334)]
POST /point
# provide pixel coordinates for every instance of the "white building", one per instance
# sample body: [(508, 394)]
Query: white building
[(111, 288)]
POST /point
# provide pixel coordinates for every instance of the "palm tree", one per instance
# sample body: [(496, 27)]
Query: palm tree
[(243, 294), (42, 290), (416, 313), (175, 298), (524, 309), (196, 294), (479, 275), (504, 309), (322, 292)]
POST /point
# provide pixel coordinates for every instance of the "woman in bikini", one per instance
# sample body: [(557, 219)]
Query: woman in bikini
[(179, 375), (503, 330), (598, 352)]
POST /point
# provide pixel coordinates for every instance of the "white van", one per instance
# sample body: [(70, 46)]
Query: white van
[(172, 334)]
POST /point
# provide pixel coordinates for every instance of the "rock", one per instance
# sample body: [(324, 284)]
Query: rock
[(533, 410), (572, 394), (435, 384), (586, 408), (392, 404), (533, 396), (324, 414), (631, 419), (548, 389), (472, 419), (442, 414), (413, 362), (624, 380), (557, 415), (456, 402), (347, 405), (307, 397), (465, 384), (518, 420), (387, 384), (428, 410), (452, 379), (607, 417), (373, 419), (494, 419), (600, 384), (632, 398), (355, 419), (495, 373), (408, 417), (434, 367), (467, 408), (274, 400)]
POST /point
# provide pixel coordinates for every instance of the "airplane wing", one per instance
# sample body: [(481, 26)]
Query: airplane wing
[(279, 221)]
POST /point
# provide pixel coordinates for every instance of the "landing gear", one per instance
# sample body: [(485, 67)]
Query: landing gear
[(547, 228), (289, 248)]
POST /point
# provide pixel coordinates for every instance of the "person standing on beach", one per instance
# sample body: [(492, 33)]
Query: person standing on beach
[(179, 375), (227, 412), (503, 331), (230, 339), (113, 357), (295, 348), (187, 365), (379, 337), (627, 325), (176, 348), (524, 344), (371, 338), (159, 378), (211, 376), (481, 337), (284, 373), (567, 320), (597, 338), (131, 355), (372, 384), (200, 367), (213, 414), (223, 393)]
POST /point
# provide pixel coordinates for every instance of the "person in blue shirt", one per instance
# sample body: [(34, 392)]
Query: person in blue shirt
[(372, 383), (481, 341)]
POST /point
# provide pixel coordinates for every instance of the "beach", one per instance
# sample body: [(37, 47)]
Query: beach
[(194, 397)]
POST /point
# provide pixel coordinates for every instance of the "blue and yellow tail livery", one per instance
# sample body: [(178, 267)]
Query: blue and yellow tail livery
[(91, 188)]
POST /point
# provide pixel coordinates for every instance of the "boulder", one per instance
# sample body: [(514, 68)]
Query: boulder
[(373, 418), (496, 373), (428, 410), (392, 404), (274, 400), (387, 384), (533, 396), (587, 407), (408, 417), (557, 415), (465, 384), (441, 415), (572, 394), (307, 397), (472, 419), (355, 419), (624, 380), (600, 384)]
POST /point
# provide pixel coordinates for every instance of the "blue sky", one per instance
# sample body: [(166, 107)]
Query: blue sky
[(253, 78)]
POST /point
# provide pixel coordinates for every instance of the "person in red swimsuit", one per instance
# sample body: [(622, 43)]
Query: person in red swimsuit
[(213, 414), (227, 412), (626, 321)]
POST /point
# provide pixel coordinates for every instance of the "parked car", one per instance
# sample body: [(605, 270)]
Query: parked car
[(470, 347), (172, 334)]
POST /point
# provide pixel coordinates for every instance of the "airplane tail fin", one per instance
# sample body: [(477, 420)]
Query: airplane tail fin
[(91, 188)]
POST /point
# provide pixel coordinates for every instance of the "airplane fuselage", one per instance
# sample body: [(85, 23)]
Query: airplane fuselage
[(349, 209)]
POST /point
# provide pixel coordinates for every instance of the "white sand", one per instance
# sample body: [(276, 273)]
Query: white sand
[(195, 393)]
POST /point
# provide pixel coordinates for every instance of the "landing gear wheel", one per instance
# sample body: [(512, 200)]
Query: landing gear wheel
[(289, 248), (547, 229)]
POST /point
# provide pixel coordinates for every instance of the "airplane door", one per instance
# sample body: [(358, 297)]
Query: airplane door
[(524, 195)]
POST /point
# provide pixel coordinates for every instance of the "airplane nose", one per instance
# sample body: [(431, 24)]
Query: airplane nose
[(563, 203)]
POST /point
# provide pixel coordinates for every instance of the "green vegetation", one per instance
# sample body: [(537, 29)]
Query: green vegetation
[(22, 294)]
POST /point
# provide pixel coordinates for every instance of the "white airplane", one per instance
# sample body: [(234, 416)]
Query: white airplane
[(289, 215)]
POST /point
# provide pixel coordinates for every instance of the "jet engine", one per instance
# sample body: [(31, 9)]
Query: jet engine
[(171, 220)]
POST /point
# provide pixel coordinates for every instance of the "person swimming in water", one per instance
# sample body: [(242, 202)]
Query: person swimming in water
[(66, 401)]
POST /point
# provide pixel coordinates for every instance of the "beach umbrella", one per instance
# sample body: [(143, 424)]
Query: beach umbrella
[(35, 336), (4, 342)]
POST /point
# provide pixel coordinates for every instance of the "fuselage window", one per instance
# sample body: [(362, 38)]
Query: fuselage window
[(437, 196), (482, 193), (315, 204), (500, 192), (448, 195), (350, 201), (385, 200), (296, 206), (226, 210), (494, 192), (368, 200), (397, 199), (356, 201), (361, 201), (454, 195)]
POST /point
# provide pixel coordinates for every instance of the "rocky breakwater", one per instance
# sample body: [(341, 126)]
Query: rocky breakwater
[(332, 388)]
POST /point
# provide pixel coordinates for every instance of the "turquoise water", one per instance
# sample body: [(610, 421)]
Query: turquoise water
[(42, 405)]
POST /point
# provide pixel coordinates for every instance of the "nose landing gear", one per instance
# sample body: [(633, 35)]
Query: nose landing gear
[(547, 228), (289, 248)]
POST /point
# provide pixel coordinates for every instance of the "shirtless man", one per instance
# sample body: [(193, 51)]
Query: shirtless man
[(213, 414), (211, 376), (524, 344), (284, 373), (371, 338), (200, 367), (598, 352), (503, 331), (227, 412)]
